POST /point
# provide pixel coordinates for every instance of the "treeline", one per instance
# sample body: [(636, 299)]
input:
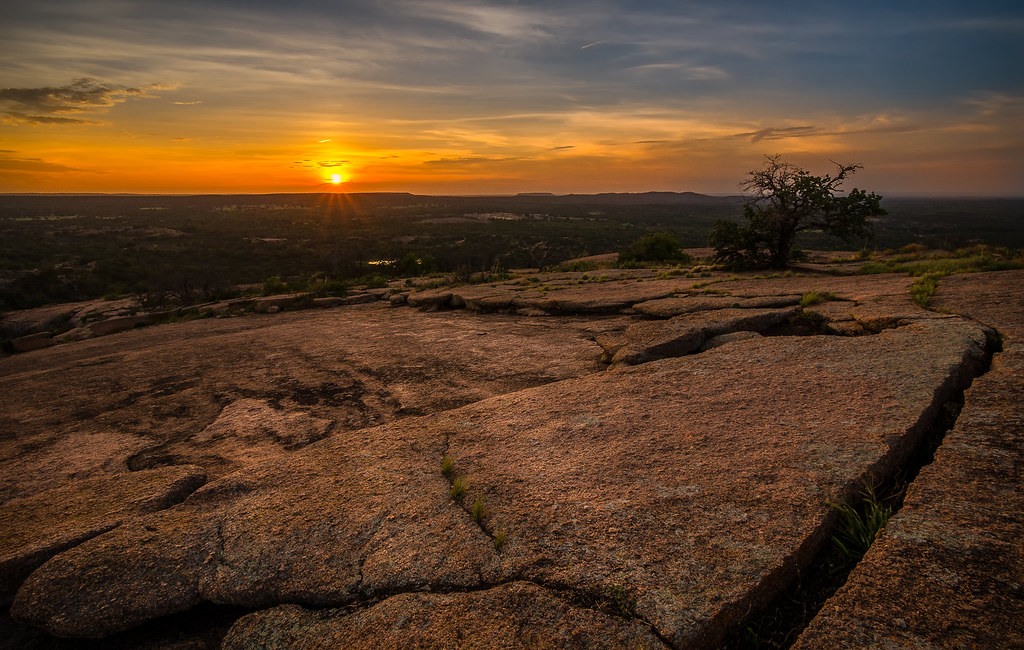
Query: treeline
[(195, 248)]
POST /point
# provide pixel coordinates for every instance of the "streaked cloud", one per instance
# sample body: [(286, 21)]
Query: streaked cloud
[(46, 105), (32, 165)]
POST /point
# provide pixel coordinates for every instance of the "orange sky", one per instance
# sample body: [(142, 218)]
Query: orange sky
[(469, 98)]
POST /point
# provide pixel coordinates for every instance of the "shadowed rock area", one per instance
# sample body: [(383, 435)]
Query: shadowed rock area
[(442, 475), (948, 570)]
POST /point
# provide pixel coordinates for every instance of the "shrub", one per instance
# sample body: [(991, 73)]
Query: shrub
[(653, 247)]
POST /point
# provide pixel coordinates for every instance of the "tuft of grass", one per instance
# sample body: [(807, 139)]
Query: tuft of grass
[(447, 466), (858, 527), (479, 510), (500, 537), (816, 297), (458, 488), (924, 288)]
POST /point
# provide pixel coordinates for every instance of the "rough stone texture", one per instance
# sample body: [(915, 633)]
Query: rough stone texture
[(430, 299), (564, 296), (650, 340), (948, 570), (725, 339), (669, 307), (516, 615), (139, 398), (833, 310), (40, 526), (115, 325), (690, 488), (855, 287), (31, 342), (694, 486), (263, 305), (329, 301)]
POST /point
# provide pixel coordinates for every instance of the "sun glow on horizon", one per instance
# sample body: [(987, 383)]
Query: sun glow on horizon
[(336, 179)]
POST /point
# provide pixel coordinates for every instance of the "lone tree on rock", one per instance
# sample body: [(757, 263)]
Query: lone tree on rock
[(786, 200)]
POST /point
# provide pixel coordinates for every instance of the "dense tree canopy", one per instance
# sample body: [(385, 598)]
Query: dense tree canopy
[(786, 200)]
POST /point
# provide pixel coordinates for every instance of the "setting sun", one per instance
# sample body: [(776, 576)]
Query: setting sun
[(336, 178)]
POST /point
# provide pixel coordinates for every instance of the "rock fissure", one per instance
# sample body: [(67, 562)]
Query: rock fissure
[(780, 623)]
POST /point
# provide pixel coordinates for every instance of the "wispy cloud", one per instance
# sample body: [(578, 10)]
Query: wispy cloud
[(772, 133), (470, 160), (48, 104), (34, 165)]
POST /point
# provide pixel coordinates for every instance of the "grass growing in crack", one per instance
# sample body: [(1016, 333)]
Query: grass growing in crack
[(447, 466), (924, 288), (479, 510), (858, 527), (500, 537), (458, 488), (816, 297)]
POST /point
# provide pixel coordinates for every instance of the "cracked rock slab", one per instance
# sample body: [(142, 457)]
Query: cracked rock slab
[(351, 516), (649, 340), (45, 524), (948, 570), (694, 487), (514, 615)]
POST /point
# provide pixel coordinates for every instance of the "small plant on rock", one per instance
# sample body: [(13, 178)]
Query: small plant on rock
[(479, 510), (447, 466), (499, 539), (924, 288), (458, 488), (816, 297), (858, 527)]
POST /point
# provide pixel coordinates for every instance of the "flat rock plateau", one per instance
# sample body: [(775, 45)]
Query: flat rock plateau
[(637, 462)]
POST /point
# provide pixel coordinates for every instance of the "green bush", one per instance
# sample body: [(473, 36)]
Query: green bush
[(653, 247)]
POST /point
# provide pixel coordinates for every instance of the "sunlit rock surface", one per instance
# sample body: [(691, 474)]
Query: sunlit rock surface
[(647, 504), (948, 570)]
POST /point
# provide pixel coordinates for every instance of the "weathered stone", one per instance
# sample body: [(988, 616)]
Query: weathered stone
[(669, 307), (769, 302), (693, 487), (687, 489), (263, 305), (251, 430), (430, 299), (515, 615), (845, 328), (272, 309), (141, 397), (114, 325), (399, 299), (133, 573), (31, 342), (854, 287), (725, 339), (948, 570), (602, 298), (649, 340), (328, 301), (833, 310), (359, 298), (40, 526)]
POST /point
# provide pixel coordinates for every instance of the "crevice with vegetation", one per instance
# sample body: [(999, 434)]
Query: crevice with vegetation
[(853, 527)]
